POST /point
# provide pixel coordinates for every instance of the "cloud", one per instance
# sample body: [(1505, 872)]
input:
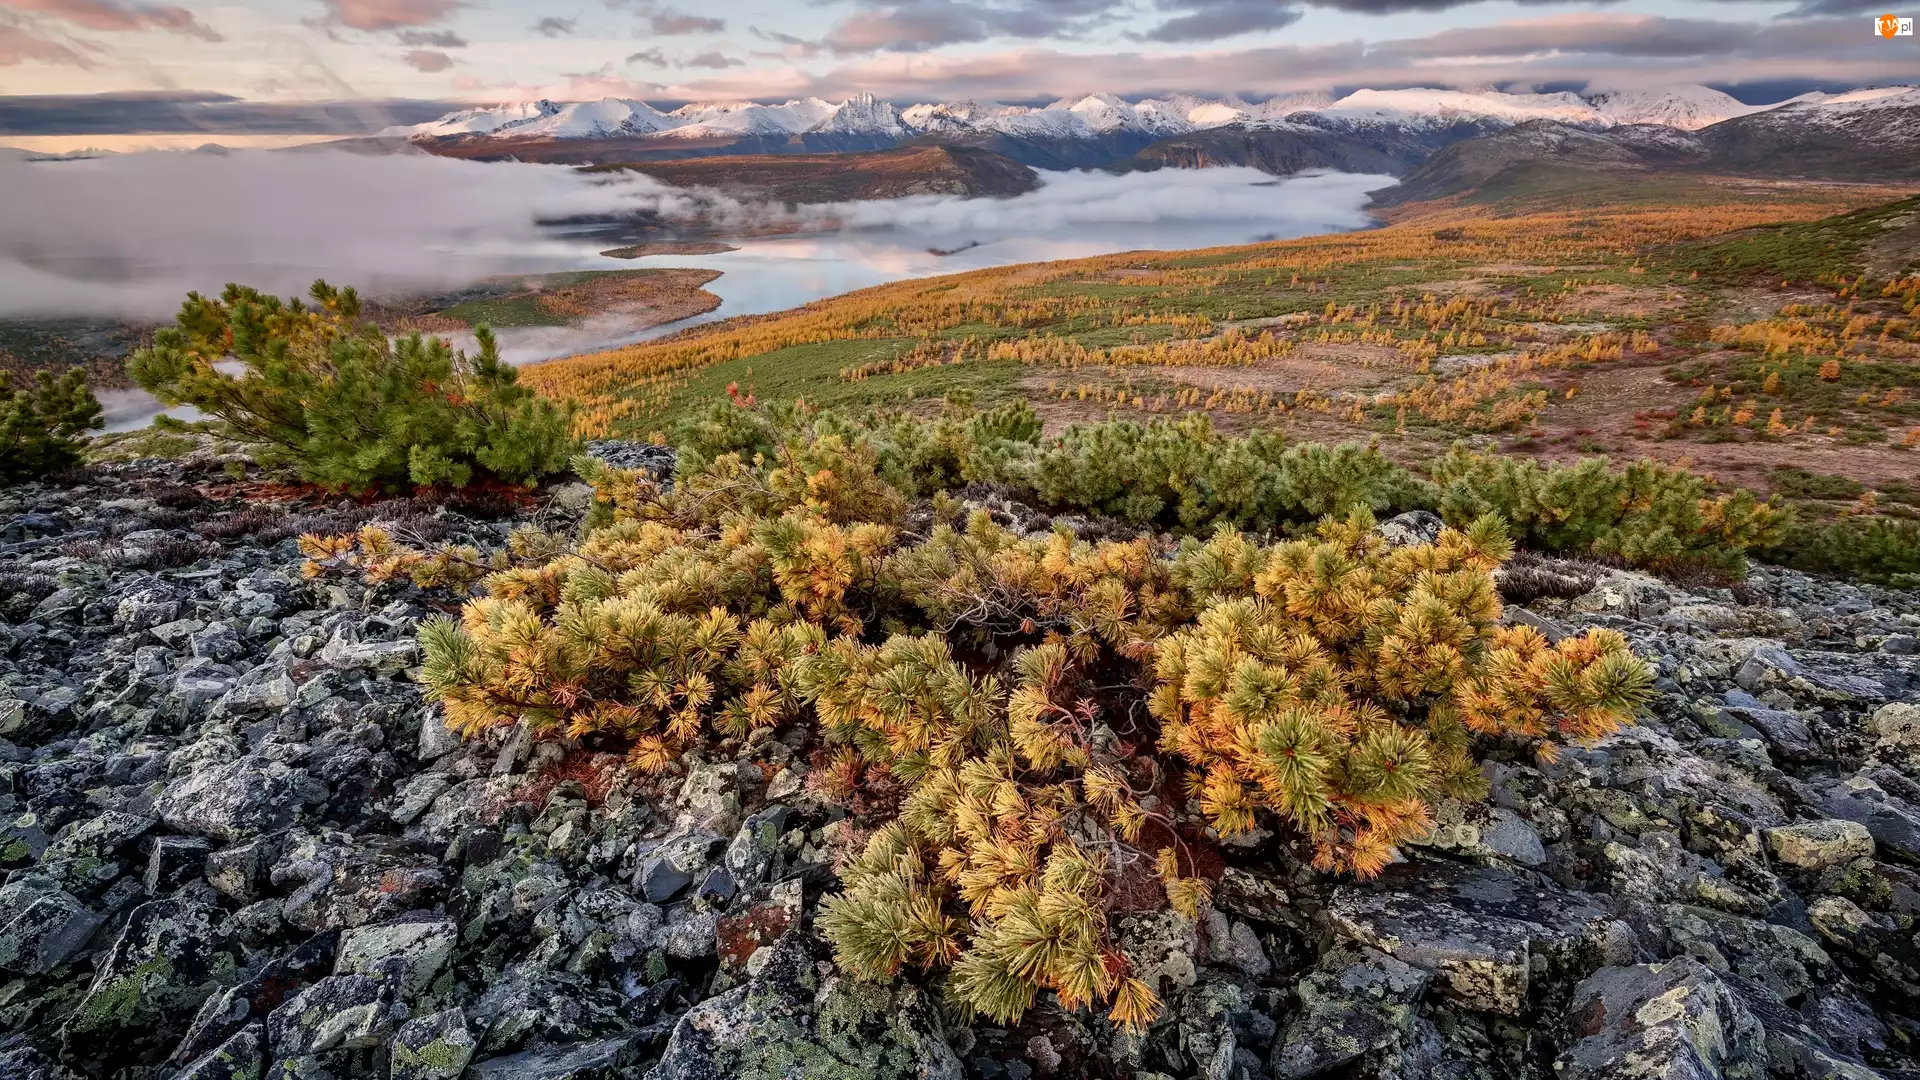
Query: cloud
[(1619, 48), (712, 58), (789, 45), (170, 112), (432, 39), (111, 15), (553, 26), (1211, 20), (572, 86), (648, 56), (19, 45), (427, 60), (133, 233), (922, 25), (669, 22), (388, 14)]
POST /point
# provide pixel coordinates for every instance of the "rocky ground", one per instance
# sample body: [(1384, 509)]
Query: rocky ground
[(237, 843)]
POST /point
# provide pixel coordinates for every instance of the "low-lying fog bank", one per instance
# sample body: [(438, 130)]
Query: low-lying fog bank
[(128, 236)]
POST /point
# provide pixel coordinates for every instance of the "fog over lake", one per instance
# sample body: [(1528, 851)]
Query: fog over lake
[(128, 236)]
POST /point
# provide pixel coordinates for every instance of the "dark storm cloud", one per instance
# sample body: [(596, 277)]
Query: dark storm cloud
[(214, 114)]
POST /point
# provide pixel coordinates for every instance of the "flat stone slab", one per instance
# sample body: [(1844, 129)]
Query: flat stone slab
[(1477, 929)]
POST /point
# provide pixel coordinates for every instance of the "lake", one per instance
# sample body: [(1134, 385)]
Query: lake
[(178, 222)]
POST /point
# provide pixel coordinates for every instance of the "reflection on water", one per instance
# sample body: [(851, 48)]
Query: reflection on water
[(1072, 216)]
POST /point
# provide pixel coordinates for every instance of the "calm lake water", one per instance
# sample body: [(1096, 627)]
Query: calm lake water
[(1072, 215)]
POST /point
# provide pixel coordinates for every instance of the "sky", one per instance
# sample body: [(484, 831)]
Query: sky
[(257, 66)]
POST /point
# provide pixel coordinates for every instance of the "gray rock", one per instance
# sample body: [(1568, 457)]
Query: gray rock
[(240, 871), (340, 1012), (435, 1047), (144, 609), (1480, 931), (1233, 943), (410, 952), (172, 955), (1480, 831), (691, 936), (42, 927), (234, 801), (1818, 845), (1673, 1021), (755, 851), (1411, 529), (1784, 960), (789, 1023), (579, 1061), (1784, 731), (1356, 1003), (174, 860), (659, 880), (243, 1056), (436, 739), (1893, 824)]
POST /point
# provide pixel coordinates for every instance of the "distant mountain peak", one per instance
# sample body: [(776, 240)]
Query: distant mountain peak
[(1424, 113)]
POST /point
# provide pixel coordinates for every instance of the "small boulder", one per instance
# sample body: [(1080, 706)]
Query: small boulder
[(1672, 1021), (577, 1061), (435, 1047), (235, 801), (410, 951), (1356, 1003), (791, 1022), (1817, 845)]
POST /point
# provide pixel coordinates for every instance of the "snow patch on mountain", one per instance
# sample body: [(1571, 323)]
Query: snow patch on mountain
[(1444, 108)]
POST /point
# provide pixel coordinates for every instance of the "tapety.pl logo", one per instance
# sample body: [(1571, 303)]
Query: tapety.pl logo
[(1892, 26)]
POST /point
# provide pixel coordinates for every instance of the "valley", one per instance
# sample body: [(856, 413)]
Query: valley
[(1690, 320)]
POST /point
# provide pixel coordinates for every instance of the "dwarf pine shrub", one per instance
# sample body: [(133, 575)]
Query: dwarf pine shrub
[(1885, 551), (997, 708), (1646, 514), (344, 405), (43, 424)]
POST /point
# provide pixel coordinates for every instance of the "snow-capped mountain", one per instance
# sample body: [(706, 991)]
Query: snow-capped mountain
[(1688, 108), (1095, 115), (1387, 130), (1443, 108)]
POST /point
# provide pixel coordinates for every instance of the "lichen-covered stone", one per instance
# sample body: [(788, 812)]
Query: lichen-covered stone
[(243, 1056), (411, 951), (1817, 845), (171, 956), (1480, 931), (234, 801), (41, 925), (1356, 1003), (435, 1047), (1672, 1021), (577, 1061), (339, 1012), (790, 1024)]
